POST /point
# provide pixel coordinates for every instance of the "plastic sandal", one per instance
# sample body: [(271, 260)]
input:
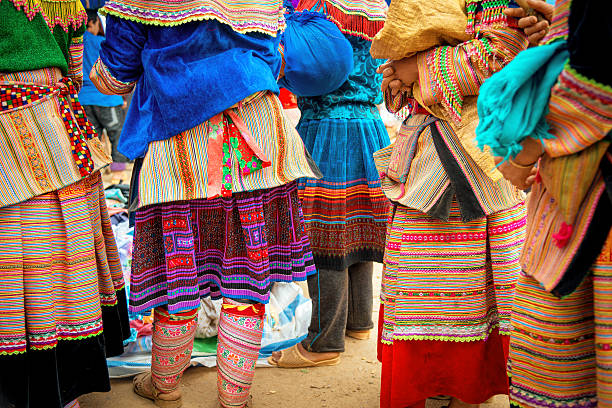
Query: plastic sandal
[(292, 358)]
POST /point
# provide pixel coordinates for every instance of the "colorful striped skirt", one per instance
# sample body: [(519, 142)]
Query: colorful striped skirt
[(450, 280), (234, 247), (561, 349), (345, 211), (447, 292), (62, 303)]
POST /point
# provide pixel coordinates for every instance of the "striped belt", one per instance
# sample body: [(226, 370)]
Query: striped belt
[(17, 95)]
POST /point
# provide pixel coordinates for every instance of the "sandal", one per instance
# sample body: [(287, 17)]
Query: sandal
[(359, 334), (162, 400), (292, 358)]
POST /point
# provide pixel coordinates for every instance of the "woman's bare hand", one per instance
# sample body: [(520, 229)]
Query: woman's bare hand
[(534, 30)]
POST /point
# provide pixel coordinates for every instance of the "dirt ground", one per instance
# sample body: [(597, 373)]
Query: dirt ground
[(354, 383)]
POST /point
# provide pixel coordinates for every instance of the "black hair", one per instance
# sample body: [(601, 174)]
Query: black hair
[(92, 16)]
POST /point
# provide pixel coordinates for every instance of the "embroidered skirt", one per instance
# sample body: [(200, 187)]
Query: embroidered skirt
[(447, 292), (234, 247), (560, 349), (450, 280), (345, 211), (62, 303)]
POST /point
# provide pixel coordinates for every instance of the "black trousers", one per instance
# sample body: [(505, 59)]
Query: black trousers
[(341, 300)]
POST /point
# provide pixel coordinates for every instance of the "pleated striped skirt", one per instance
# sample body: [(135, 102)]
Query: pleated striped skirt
[(346, 210), (450, 280), (62, 304), (561, 349), (234, 247)]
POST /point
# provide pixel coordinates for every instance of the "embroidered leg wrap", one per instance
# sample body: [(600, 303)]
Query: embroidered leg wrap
[(239, 341), (73, 404), (172, 345)]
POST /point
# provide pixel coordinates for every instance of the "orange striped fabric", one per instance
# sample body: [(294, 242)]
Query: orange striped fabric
[(580, 113), (449, 74), (413, 174), (450, 280), (178, 168), (59, 264), (560, 349), (106, 82)]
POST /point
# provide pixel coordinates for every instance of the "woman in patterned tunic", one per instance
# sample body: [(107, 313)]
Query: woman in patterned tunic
[(453, 241), (560, 348), (62, 303), (218, 211)]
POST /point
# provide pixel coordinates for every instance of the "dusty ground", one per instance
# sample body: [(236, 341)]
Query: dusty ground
[(354, 383)]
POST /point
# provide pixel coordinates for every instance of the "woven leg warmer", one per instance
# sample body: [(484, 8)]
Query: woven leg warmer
[(172, 345), (239, 342)]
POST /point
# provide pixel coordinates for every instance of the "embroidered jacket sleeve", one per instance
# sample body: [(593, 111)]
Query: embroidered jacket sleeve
[(580, 104), (119, 66), (395, 103), (580, 114), (448, 74)]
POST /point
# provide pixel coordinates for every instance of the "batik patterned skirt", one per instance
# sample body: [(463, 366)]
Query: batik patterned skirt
[(345, 211), (234, 247), (62, 303), (561, 349)]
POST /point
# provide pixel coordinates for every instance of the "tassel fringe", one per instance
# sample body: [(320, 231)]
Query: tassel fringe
[(65, 13), (363, 24), (564, 234)]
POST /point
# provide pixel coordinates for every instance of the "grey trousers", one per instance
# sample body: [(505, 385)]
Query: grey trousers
[(111, 119), (341, 300)]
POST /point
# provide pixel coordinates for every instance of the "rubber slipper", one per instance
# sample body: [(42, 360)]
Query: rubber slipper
[(292, 358)]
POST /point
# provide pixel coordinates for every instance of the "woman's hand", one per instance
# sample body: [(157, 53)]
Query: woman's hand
[(534, 29), (399, 75), (520, 177), (521, 170), (388, 73)]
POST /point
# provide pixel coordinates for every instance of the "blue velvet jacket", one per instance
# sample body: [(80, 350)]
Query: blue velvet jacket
[(185, 74)]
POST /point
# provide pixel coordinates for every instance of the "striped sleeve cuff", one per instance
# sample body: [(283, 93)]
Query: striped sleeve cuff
[(75, 65), (106, 82)]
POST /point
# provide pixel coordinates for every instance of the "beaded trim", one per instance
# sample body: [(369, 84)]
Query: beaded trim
[(64, 13)]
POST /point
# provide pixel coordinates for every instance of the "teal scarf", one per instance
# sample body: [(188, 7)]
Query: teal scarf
[(513, 103)]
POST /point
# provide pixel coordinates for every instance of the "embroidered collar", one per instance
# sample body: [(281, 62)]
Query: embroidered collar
[(264, 16)]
